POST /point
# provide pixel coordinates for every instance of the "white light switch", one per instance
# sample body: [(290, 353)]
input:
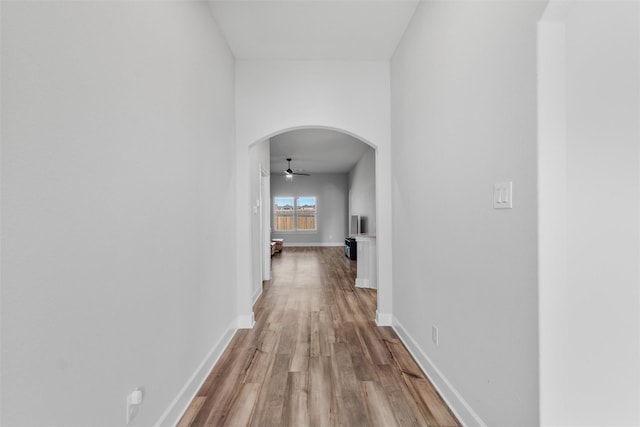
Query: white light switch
[(134, 400), (503, 195)]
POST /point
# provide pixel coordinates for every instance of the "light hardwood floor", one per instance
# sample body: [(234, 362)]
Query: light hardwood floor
[(316, 358)]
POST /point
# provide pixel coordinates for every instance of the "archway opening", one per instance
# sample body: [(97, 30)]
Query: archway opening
[(341, 181)]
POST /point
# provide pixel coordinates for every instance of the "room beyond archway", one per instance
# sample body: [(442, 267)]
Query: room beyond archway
[(341, 182)]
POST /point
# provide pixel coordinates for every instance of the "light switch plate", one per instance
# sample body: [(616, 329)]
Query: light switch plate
[(503, 195)]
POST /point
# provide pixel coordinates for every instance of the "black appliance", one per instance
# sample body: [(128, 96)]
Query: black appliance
[(350, 248)]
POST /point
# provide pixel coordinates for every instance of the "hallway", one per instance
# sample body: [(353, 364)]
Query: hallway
[(315, 357)]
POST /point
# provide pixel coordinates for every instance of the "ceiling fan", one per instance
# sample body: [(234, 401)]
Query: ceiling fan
[(289, 172)]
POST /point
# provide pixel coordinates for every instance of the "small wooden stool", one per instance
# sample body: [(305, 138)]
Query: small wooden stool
[(278, 243)]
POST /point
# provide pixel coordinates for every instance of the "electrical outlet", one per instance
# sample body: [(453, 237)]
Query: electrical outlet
[(434, 334), (134, 399)]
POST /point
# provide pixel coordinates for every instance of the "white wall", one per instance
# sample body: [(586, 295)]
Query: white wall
[(463, 84), (117, 268), (362, 190), (275, 96), (331, 192), (589, 247)]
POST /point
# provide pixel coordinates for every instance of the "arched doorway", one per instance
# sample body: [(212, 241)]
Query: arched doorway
[(253, 159)]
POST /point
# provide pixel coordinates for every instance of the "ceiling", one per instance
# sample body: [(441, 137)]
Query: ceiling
[(313, 29), (354, 30), (316, 151)]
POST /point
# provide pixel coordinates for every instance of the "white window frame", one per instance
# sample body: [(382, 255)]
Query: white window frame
[(295, 215)]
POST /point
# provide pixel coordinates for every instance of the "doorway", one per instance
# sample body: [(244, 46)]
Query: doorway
[(259, 152), (335, 169)]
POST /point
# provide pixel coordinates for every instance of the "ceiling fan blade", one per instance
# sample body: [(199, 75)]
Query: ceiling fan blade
[(290, 172)]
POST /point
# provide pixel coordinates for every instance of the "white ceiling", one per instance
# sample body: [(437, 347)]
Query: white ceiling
[(316, 151), (355, 30), (313, 29)]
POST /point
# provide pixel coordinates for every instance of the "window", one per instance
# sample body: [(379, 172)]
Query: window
[(294, 214), (306, 213), (283, 214)]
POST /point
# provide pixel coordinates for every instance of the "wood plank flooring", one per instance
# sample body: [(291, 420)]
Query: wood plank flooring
[(316, 358)]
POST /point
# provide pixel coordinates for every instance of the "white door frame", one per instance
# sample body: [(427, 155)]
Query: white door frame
[(265, 223)]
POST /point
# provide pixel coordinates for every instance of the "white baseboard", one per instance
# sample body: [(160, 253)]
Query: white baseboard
[(256, 295), (179, 405), (246, 321), (462, 410), (384, 319), (362, 283)]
